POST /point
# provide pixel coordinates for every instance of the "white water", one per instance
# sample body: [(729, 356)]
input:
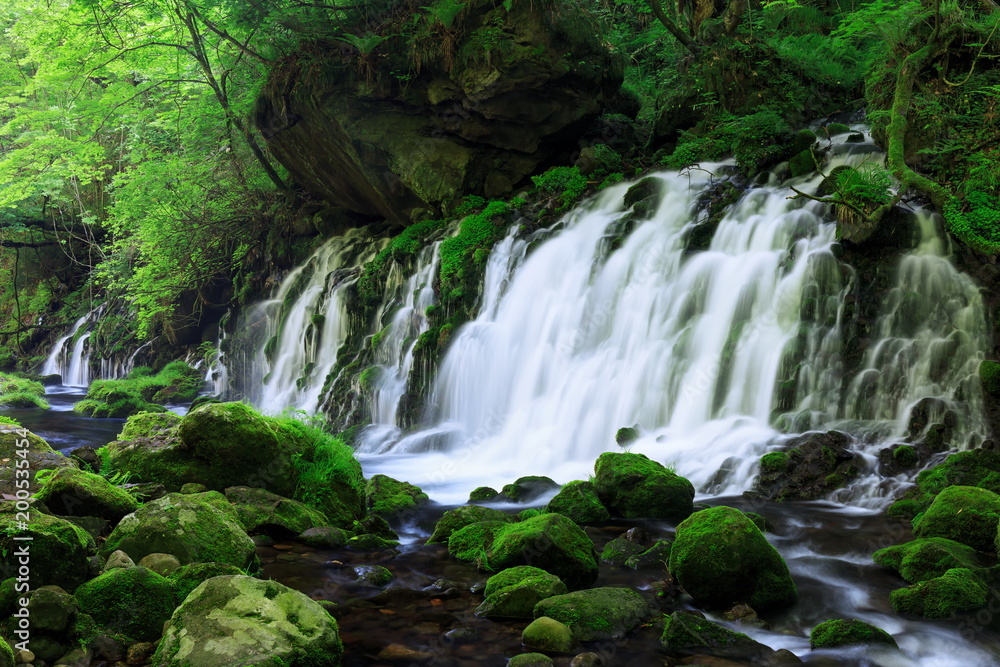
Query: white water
[(309, 318), (72, 363), (570, 346), (60, 357)]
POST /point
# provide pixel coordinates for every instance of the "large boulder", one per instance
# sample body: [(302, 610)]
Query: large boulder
[(596, 613), (808, 466), (263, 511), (550, 542), (849, 632), (132, 601), (38, 454), (633, 486), (198, 527), (391, 499), (688, 633), (927, 558), (232, 621), (956, 591), (60, 551), (514, 592), (77, 493), (188, 577), (966, 514), (578, 500), (494, 95), (721, 558), (460, 517)]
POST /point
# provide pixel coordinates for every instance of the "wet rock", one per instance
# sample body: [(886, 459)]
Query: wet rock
[(88, 458), (720, 557), (927, 558), (52, 609), (850, 632), (965, 514), (957, 590), (597, 613), (514, 592), (526, 489), (324, 537), (530, 660), (688, 633), (483, 494), (373, 575), (193, 487), (463, 635), (162, 564), (370, 543), (657, 555), (392, 499), (78, 657), (260, 510), (547, 634), (578, 501), (232, 620), (978, 467), (809, 467), (586, 660), (633, 486), (134, 602), (744, 613), (458, 518), (619, 550)]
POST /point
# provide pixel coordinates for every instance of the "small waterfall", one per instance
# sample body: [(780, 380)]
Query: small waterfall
[(217, 375), (304, 326), (59, 359), (713, 354), (78, 373)]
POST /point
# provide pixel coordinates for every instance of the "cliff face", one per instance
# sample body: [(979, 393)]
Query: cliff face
[(438, 108)]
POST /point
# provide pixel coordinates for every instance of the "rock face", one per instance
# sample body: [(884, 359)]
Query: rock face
[(496, 92), (230, 621), (811, 466), (196, 528), (720, 557)]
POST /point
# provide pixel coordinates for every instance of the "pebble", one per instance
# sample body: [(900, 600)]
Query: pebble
[(398, 652), (25, 656)]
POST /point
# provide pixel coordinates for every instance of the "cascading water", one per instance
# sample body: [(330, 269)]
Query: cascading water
[(710, 353), (72, 363), (59, 358), (304, 326)]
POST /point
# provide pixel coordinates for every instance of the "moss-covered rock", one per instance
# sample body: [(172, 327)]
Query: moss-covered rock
[(514, 592), (809, 467), (550, 542), (149, 424), (578, 500), (198, 527), (230, 621), (989, 375), (687, 633), (526, 489), (839, 632), (194, 487), (188, 577), (261, 511), (547, 634), (619, 550), (596, 613), (52, 609), (60, 550), (957, 590), (373, 575), (927, 558), (133, 602), (325, 537), (38, 454), (655, 556), (483, 494), (74, 492), (530, 660), (6, 654), (978, 467), (633, 486), (458, 518), (965, 514), (720, 557), (390, 498), (369, 542)]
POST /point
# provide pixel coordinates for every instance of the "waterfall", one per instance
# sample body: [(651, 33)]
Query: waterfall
[(714, 355), (304, 326), (59, 359), (78, 374), (217, 374)]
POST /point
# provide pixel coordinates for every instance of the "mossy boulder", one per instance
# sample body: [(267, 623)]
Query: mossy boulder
[(550, 542), (373, 575), (200, 527), (596, 613), (526, 489), (849, 632), (74, 492), (392, 499), (655, 556), (633, 486), (60, 550), (231, 621), (927, 558), (619, 550), (133, 602), (261, 511), (720, 557), (52, 609), (514, 592), (688, 633), (39, 456), (977, 467), (956, 591), (530, 660), (188, 577), (578, 500), (458, 518), (965, 514), (325, 537), (547, 634), (482, 494), (6, 654), (808, 467), (149, 425)]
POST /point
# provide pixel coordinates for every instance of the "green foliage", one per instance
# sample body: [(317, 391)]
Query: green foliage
[(976, 221), (566, 182), (141, 392), (18, 392), (332, 462), (866, 188), (755, 140), (478, 231)]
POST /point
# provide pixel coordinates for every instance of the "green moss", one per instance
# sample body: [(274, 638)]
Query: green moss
[(369, 378), (835, 633), (656, 556), (132, 601), (547, 634), (565, 182), (391, 498), (6, 653), (525, 489), (989, 375), (619, 550), (483, 494), (686, 632), (802, 164), (188, 577), (60, 550), (906, 456), (626, 435), (927, 558), (149, 425), (578, 500), (78, 493), (373, 575), (720, 557), (633, 486), (262, 511), (597, 613), (774, 462), (19, 392), (141, 392), (833, 129), (458, 518), (979, 468), (369, 542), (957, 590), (965, 514), (474, 542)]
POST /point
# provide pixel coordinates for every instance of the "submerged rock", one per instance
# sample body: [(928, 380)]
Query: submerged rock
[(230, 621), (597, 613), (198, 527), (689, 633), (720, 557), (633, 486)]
